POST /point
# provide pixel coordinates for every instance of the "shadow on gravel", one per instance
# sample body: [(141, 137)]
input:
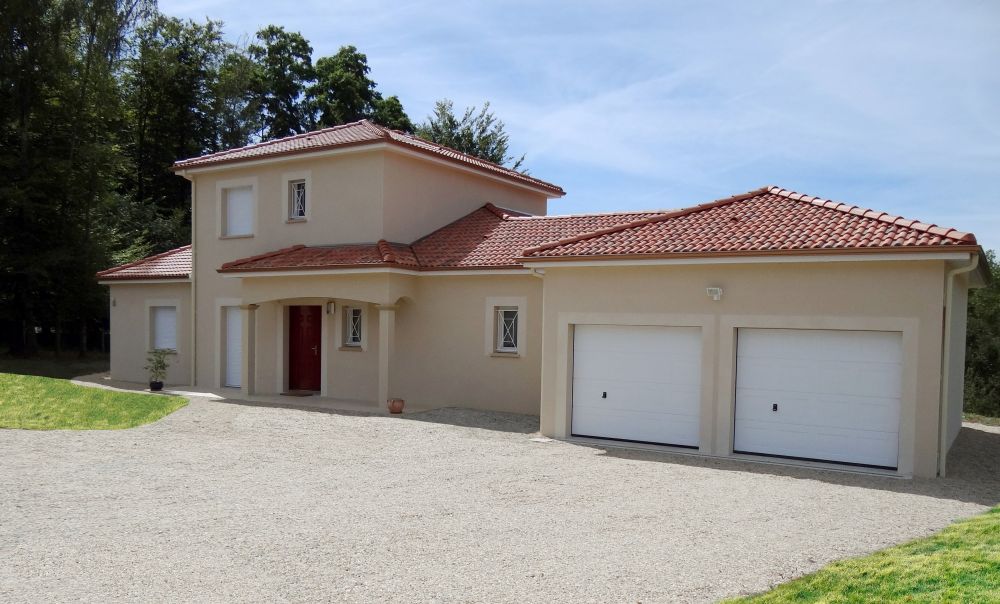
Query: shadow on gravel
[(451, 416), (472, 418), (973, 469)]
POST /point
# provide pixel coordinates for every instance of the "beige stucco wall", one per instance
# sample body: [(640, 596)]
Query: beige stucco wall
[(130, 329), (353, 197), (420, 196), (891, 296), (444, 344)]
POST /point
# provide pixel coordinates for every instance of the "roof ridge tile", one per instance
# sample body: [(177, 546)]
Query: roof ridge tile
[(874, 215)]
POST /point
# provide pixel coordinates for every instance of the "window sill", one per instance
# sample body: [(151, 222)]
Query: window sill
[(295, 220), (236, 236), (505, 355), (351, 349), (172, 351)]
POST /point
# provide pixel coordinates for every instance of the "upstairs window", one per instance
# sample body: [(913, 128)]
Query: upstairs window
[(353, 325), (163, 327), (297, 199), (506, 329), (237, 212)]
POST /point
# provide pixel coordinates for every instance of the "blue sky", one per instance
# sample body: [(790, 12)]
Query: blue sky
[(628, 105)]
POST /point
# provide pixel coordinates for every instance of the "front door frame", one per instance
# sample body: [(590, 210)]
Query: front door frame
[(306, 329), (281, 332)]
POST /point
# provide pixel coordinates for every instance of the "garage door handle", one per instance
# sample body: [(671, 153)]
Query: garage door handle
[(604, 395)]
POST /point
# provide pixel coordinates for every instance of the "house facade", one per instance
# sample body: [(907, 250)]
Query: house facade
[(360, 264)]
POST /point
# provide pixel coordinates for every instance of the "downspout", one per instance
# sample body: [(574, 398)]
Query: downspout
[(946, 360), (194, 298)]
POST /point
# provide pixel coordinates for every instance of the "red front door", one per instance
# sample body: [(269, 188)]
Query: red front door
[(304, 325)]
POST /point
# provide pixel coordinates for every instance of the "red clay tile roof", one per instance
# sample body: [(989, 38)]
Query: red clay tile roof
[(360, 133), (768, 220), (494, 238), (488, 238), (172, 264), (300, 257)]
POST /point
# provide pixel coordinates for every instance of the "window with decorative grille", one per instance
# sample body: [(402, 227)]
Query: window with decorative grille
[(353, 326), (506, 340), (297, 199)]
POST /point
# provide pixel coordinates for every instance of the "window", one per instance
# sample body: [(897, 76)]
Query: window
[(237, 212), (353, 325), (297, 199), (506, 330), (163, 327)]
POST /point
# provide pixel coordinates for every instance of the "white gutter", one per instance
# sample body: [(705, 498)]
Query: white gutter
[(946, 360)]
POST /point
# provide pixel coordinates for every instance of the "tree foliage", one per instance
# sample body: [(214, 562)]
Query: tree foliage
[(982, 355), (98, 98), (477, 132)]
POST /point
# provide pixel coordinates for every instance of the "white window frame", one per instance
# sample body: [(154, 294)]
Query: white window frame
[(221, 189), (174, 303), (503, 314), (493, 328), (288, 179), (349, 339)]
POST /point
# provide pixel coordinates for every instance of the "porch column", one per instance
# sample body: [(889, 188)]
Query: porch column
[(386, 342), (249, 369)]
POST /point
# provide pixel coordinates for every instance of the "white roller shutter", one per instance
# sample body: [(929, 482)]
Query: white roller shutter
[(637, 383), (819, 394), (233, 366), (164, 327), (239, 211)]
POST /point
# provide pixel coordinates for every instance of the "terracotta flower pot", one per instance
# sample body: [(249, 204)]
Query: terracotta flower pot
[(396, 405)]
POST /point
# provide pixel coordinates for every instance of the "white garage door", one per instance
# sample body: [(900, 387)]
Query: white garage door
[(637, 383), (819, 395)]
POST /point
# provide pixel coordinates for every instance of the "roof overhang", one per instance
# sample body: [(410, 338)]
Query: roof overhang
[(954, 253), (141, 281), (189, 172), (328, 272)]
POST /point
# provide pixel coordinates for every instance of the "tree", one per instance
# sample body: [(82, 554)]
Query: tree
[(284, 71), (60, 115), (171, 87), (344, 93), (982, 345), (389, 113), (477, 133)]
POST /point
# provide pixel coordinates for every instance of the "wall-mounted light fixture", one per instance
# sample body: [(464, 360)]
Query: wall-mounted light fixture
[(715, 293)]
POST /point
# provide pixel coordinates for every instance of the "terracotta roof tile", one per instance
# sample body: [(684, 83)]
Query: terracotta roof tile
[(359, 133), (300, 257), (770, 219), (172, 264), (763, 221)]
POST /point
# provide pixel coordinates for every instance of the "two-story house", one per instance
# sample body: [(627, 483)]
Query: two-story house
[(359, 263)]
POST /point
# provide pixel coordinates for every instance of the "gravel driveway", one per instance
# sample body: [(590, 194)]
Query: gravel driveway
[(232, 502)]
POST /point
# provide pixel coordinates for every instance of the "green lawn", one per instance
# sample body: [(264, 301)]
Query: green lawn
[(959, 564), (40, 403)]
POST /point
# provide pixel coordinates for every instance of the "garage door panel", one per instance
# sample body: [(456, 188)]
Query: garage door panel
[(877, 413), (639, 383), (806, 442), (838, 394), (616, 365), (829, 377)]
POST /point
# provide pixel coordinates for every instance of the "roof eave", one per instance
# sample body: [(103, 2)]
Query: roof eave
[(917, 250)]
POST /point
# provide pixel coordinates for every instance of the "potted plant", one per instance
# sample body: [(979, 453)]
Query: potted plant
[(157, 368), (395, 405)]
